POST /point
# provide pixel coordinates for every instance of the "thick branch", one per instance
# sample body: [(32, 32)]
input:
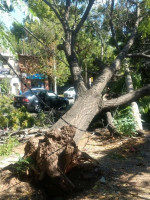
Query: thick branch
[(127, 98), (116, 65), (91, 2), (103, 79), (138, 55)]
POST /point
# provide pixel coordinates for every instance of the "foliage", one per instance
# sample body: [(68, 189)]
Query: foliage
[(6, 148), (43, 48), (124, 122), (5, 85), (23, 165), (18, 31), (144, 104), (17, 118)]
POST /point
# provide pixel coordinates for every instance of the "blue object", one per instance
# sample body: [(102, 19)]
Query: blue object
[(20, 92), (36, 76)]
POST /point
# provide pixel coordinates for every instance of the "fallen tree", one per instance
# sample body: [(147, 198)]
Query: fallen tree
[(57, 152)]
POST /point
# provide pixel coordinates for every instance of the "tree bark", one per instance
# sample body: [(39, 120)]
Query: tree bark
[(111, 127), (134, 106), (81, 113)]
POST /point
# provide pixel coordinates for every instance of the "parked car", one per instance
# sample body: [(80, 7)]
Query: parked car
[(70, 93), (39, 99)]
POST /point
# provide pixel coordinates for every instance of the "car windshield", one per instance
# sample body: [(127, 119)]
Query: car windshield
[(71, 89)]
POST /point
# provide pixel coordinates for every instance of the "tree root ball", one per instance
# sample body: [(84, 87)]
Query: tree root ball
[(54, 155)]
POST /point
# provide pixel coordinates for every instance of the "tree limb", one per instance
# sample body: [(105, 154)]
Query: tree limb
[(116, 65), (138, 55), (91, 2), (67, 9), (127, 98), (107, 73)]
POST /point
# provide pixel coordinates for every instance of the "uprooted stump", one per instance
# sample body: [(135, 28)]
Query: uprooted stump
[(54, 156)]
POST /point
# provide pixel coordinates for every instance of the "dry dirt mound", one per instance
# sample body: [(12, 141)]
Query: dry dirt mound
[(122, 172)]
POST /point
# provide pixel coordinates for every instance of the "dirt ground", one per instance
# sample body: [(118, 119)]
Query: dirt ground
[(122, 172)]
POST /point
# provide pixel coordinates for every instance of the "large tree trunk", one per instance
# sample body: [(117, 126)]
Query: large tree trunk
[(81, 113)]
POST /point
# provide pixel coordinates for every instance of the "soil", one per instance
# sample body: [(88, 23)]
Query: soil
[(120, 171)]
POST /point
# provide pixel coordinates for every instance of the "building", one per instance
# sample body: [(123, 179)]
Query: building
[(28, 66), (7, 73)]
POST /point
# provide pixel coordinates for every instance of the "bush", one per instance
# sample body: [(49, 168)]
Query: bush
[(124, 122), (10, 143), (17, 118), (5, 85)]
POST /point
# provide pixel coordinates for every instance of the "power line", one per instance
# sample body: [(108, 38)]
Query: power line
[(10, 66), (41, 42)]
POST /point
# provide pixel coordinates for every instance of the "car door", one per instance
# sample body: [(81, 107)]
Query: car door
[(51, 99), (41, 98)]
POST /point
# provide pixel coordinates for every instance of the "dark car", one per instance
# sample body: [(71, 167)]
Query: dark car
[(40, 99)]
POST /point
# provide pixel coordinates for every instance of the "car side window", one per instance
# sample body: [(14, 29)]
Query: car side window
[(50, 94)]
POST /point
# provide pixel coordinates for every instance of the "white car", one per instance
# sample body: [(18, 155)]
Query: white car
[(70, 93)]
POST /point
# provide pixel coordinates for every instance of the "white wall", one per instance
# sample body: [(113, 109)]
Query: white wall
[(15, 85)]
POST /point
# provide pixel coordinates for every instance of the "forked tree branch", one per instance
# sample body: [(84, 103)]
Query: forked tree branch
[(107, 73), (123, 53)]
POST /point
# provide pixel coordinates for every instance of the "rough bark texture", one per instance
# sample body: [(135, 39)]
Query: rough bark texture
[(82, 113), (111, 127), (134, 105)]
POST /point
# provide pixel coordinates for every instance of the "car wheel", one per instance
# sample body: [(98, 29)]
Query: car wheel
[(37, 108)]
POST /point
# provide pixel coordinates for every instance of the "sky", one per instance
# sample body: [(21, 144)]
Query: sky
[(8, 19), (19, 14)]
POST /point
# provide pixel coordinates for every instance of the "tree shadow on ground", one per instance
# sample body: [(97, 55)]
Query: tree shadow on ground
[(125, 169)]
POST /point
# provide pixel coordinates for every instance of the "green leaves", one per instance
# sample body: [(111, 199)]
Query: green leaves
[(17, 118), (124, 122), (23, 165)]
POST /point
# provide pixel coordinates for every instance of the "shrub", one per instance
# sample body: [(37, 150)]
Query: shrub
[(5, 85), (124, 122), (6, 148), (23, 165), (17, 118)]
